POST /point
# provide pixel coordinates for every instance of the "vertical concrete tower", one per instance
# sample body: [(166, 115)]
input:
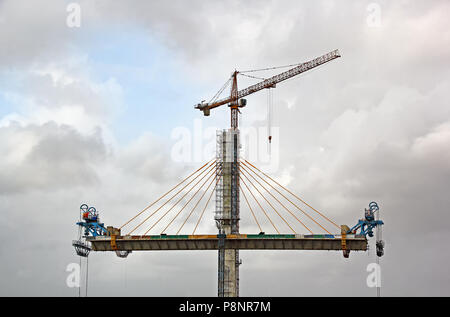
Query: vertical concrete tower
[(227, 210)]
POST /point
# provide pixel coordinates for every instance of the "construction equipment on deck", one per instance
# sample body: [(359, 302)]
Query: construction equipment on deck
[(91, 221), (366, 225)]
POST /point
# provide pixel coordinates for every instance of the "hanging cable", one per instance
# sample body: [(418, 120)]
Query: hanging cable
[(171, 198), (203, 211), (269, 204), (293, 194), (181, 198), (249, 207), (378, 240), (269, 68), (125, 276), (277, 200), (79, 239), (251, 193), (201, 186), (87, 274), (253, 77), (305, 213), (189, 215), (149, 206), (269, 116), (79, 286), (214, 98)]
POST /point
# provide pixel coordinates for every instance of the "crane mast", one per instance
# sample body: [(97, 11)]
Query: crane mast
[(234, 105), (235, 100)]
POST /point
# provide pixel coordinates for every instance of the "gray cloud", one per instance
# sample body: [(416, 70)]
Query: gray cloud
[(45, 157)]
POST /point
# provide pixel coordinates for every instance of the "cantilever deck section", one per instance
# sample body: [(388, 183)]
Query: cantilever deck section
[(237, 242)]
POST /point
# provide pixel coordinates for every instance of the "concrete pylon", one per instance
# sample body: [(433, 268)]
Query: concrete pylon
[(227, 211)]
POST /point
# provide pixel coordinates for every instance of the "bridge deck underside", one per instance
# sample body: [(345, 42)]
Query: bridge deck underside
[(142, 244)]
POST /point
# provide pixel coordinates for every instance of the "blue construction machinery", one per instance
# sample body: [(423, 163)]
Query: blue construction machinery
[(89, 226), (366, 226), (92, 227), (91, 222)]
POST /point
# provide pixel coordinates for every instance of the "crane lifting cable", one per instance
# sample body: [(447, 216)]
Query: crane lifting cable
[(269, 116)]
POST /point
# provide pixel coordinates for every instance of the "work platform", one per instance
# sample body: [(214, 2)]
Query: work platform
[(237, 242)]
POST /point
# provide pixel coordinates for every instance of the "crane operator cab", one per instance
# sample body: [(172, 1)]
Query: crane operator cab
[(203, 107)]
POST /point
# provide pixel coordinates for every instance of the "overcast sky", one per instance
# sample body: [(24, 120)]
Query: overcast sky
[(92, 114)]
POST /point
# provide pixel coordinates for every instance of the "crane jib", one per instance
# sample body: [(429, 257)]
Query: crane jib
[(289, 74), (270, 82)]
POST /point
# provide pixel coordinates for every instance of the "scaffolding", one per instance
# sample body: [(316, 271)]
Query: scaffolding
[(227, 210), (218, 216)]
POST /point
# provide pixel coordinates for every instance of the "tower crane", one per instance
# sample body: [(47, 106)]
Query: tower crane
[(236, 99), (228, 213)]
